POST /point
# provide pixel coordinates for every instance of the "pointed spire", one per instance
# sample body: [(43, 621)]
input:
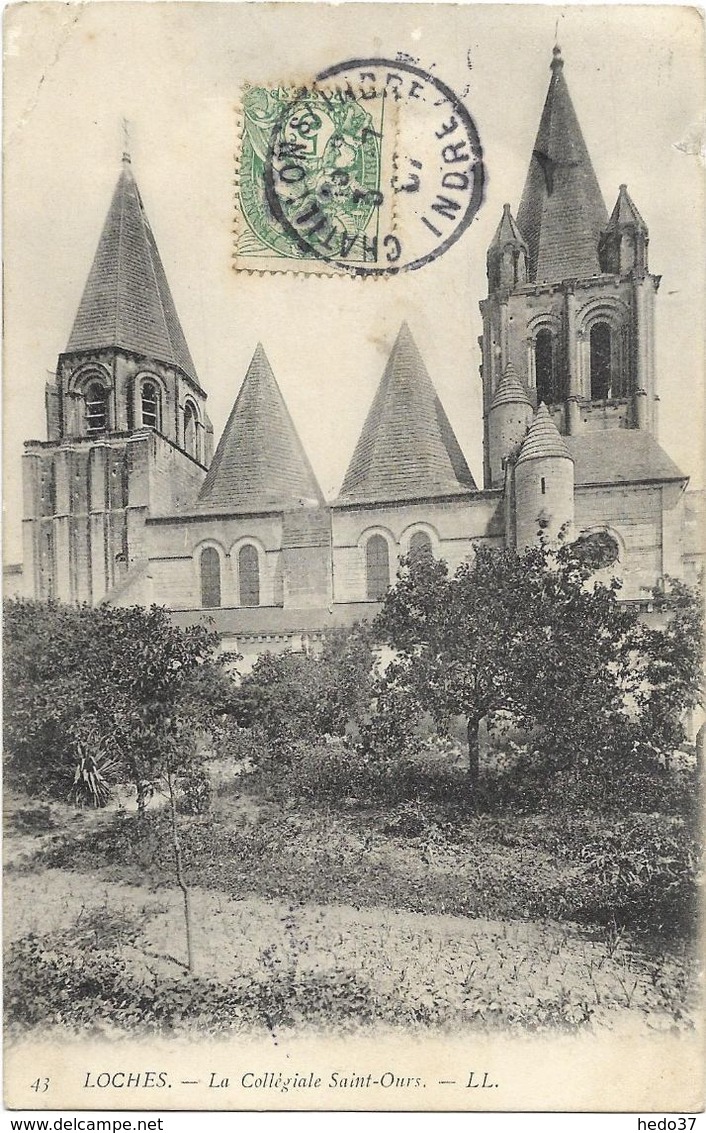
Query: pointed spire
[(507, 231), (407, 447), (260, 463), (625, 213), (624, 242), (126, 302), (562, 212), (543, 439), (510, 390)]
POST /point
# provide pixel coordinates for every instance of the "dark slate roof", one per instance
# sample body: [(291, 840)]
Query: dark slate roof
[(126, 301), (407, 448), (562, 212), (620, 456), (510, 389), (625, 213), (543, 439), (260, 464)]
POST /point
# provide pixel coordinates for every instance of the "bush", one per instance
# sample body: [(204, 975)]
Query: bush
[(48, 983), (300, 696), (644, 873)]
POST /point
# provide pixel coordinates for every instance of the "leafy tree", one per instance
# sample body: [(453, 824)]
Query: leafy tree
[(675, 674), (301, 696), (522, 633), (96, 680), (99, 693)]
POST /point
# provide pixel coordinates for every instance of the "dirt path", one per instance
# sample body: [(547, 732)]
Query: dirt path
[(444, 963)]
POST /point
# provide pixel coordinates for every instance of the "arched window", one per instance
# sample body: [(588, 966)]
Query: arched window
[(191, 435), (544, 368), (210, 578), (249, 575), (601, 340), (96, 407), (151, 402), (377, 568), (420, 544)]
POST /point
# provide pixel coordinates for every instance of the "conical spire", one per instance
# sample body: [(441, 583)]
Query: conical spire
[(562, 212), (507, 231), (260, 462), (510, 389), (126, 302), (625, 213), (543, 439), (407, 447)]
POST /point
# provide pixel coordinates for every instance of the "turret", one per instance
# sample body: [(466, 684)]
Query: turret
[(509, 416), (623, 244), (507, 255), (543, 483)]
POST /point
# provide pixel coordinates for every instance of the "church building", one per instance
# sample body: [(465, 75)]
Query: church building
[(126, 502)]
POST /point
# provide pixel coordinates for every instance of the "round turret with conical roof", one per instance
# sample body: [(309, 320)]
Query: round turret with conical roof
[(508, 417), (543, 483)]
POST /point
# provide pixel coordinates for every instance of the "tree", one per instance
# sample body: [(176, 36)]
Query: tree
[(92, 692), (302, 696), (675, 674), (523, 633), (88, 678)]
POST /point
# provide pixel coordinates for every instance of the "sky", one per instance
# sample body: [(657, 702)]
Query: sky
[(175, 71)]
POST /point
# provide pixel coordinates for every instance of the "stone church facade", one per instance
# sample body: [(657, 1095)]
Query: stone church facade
[(126, 502)]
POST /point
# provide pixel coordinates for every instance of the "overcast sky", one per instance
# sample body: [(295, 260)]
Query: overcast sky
[(176, 70)]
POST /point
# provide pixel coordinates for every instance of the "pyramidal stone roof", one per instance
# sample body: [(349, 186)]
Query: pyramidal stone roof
[(562, 212), (543, 439), (260, 463), (510, 389), (407, 448), (625, 213), (507, 231), (126, 301)]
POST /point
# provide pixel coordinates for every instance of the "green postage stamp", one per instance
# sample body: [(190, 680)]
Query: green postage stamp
[(310, 184)]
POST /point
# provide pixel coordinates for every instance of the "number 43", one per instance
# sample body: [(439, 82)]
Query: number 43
[(40, 1085)]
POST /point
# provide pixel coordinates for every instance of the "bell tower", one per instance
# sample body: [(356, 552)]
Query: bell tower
[(570, 303), (127, 426)]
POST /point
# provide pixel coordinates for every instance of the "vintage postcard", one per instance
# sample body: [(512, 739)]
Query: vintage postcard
[(353, 543)]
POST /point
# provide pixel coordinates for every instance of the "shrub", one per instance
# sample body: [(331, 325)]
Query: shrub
[(48, 983), (299, 696), (644, 872)]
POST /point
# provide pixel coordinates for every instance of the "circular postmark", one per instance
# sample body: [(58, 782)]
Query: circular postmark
[(374, 169)]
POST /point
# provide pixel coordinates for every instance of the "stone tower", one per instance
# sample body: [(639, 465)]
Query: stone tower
[(127, 429), (543, 476), (570, 301)]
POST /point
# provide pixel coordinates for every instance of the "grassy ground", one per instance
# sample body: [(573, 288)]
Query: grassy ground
[(353, 916)]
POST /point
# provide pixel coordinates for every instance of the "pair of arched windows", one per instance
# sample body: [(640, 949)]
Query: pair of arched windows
[(607, 379), (97, 406), (248, 577), (377, 562)]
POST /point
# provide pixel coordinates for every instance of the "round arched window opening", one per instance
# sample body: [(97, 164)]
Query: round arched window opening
[(96, 407), (377, 568), (210, 578), (545, 368), (420, 545), (151, 405), (601, 342), (249, 575), (191, 433)]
